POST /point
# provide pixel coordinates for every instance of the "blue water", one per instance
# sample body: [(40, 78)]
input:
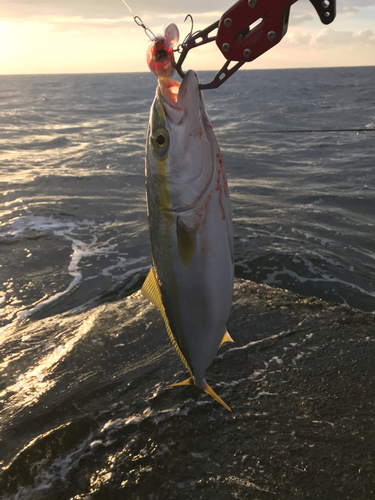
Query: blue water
[(73, 220), (73, 226)]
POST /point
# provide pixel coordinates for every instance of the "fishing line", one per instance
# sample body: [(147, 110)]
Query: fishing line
[(312, 131), (139, 22)]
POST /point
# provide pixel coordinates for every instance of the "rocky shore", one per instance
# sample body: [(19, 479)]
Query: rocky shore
[(300, 379)]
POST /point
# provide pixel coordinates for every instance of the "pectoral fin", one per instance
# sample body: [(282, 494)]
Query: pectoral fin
[(186, 240), (151, 291)]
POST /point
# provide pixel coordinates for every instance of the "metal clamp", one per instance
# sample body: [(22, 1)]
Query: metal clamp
[(246, 31)]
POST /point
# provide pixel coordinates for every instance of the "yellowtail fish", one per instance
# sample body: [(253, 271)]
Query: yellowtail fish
[(190, 225)]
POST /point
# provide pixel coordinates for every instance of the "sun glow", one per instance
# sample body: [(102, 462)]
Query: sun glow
[(70, 45), (75, 44), (6, 41), (17, 45)]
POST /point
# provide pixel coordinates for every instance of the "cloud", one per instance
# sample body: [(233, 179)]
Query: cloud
[(354, 3), (348, 10), (126, 24), (107, 9), (365, 36), (297, 39), (330, 36), (60, 23), (296, 19)]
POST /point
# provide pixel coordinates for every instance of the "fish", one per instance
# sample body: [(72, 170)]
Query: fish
[(190, 227)]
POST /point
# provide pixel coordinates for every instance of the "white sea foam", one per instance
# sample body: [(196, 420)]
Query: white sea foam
[(277, 360), (113, 425), (96, 443), (299, 356), (57, 471), (324, 277), (65, 229)]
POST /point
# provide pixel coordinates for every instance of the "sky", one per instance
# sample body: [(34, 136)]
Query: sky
[(99, 36)]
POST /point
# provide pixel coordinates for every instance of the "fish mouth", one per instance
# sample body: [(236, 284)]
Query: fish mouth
[(169, 89), (182, 102), (181, 94)]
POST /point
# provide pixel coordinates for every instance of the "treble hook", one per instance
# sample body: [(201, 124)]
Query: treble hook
[(181, 45), (191, 30)]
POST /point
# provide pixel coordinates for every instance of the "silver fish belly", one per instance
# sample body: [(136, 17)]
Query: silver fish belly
[(190, 226)]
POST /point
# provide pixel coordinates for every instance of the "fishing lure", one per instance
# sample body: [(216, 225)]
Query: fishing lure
[(161, 47), (160, 51)]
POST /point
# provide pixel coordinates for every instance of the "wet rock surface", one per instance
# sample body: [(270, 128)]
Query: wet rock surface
[(300, 379)]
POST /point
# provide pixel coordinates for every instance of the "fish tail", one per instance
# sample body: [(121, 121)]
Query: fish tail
[(212, 393), (188, 381), (208, 389)]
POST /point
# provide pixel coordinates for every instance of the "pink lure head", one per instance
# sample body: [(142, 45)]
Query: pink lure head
[(159, 52)]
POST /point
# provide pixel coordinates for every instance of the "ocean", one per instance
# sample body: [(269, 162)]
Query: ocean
[(298, 148)]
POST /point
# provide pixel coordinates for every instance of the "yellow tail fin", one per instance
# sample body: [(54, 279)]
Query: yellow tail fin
[(208, 389), (212, 393), (188, 381)]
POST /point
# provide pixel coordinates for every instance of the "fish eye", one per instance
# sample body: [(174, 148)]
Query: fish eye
[(160, 139)]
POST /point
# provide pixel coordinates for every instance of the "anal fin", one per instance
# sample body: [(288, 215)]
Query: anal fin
[(151, 290)]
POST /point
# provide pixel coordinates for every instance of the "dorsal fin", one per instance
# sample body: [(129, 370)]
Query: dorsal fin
[(151, 291), (226, 338)]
